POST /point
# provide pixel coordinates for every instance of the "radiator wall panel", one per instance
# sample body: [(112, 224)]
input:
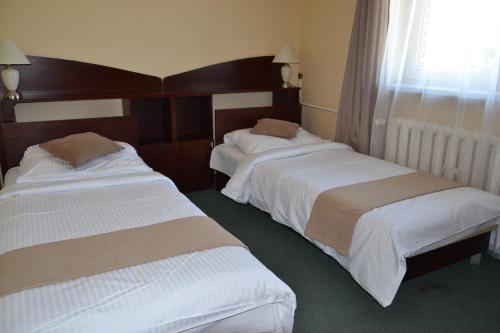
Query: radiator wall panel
[(426, 151), (441, 151), (494, 172), (414, 150)]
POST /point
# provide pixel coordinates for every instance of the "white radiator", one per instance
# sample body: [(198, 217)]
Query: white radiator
[(427, 147)]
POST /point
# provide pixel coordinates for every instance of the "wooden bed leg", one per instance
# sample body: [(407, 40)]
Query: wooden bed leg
[(475, 259)]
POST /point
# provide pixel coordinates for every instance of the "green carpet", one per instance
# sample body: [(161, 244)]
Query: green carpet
[(457, 298)]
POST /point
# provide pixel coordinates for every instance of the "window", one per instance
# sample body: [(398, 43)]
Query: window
[(449, 45), (458, 33)]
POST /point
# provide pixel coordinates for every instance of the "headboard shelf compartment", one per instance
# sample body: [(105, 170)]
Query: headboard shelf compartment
[(154, 119), (193, 117)]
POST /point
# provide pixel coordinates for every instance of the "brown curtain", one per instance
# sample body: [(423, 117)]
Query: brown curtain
[(361, 77)]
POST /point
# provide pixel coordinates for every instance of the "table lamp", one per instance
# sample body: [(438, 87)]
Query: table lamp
[(10, 55), (286, 56)]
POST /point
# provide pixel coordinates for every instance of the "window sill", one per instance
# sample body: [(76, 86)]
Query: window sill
[(479, 95)]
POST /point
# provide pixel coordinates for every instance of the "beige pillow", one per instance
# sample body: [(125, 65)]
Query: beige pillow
[(78, 149), (275, 127)]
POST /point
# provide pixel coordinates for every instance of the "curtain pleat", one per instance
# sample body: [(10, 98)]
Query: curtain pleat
[(362, 74)]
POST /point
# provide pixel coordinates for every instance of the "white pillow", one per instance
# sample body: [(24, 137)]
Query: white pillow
[(39, 165), (254, 143)]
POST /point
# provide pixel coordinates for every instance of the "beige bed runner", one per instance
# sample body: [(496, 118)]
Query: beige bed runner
[(336, 211), (65, 260)]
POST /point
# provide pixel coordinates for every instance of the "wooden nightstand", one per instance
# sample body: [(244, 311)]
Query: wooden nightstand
[(175, 137)]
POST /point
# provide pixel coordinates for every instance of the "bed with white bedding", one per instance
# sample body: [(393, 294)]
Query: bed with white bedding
[(286, 181), (223, 289)]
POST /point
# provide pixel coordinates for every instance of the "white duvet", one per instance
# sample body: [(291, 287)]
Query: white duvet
[(217, 290), (285, 182)]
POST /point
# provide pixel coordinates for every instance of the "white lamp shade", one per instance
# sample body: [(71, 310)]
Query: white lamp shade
[(286, 56), (10, 54)]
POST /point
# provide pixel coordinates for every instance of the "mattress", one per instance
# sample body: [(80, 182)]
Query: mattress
[(216, 290), (286, 182), (226, 157)]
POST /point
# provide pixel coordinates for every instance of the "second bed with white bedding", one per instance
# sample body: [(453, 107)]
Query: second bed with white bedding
[(222, 289), (285, 183)]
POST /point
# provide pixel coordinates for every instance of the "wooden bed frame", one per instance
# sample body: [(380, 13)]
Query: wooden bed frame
[(472, 246)]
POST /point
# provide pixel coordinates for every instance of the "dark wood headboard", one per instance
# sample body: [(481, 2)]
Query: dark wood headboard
[(50, 79), (147, 100), (256, 74)]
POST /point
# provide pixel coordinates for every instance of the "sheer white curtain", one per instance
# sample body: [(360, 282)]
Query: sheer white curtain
[(441, 70)]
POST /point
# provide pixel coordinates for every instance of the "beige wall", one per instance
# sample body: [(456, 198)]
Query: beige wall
[(164, 37), (324, 42), (319, 122), (156, 37)]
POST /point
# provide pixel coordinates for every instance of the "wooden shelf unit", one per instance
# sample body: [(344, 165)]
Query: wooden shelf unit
[(154, 118), (176, 132), (175, 137), (193, 115)]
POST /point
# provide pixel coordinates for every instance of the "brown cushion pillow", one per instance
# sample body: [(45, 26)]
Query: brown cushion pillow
[(78, 149), (275, 127)]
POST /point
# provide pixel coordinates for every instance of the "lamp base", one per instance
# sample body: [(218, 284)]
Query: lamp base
[(286, 73), (12, 95), (10, 77)]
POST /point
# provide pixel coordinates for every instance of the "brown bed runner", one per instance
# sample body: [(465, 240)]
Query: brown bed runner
[(44, 264), (336, 211)]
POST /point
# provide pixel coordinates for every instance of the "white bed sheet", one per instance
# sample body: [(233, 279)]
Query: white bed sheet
[(286, 182), (226, 157), (217, 290), (11, 176)]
